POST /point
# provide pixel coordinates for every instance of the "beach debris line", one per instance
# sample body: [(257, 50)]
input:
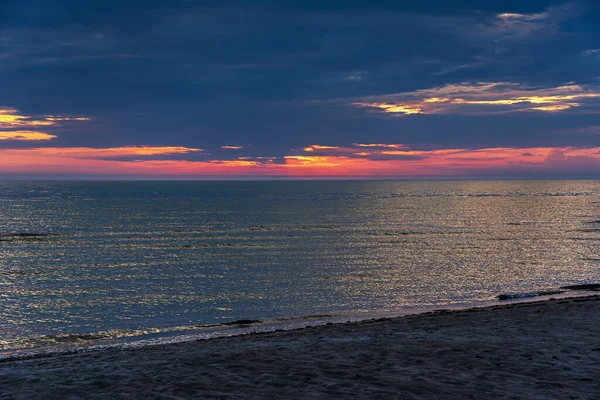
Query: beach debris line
[(585, 286), (594, 287), (510, 296), (242, 322)]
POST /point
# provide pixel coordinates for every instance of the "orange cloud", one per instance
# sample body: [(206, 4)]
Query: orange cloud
[(485, 96), (57, 118), (393, 108), (314, 147), (556, 107), (9, 118), (92, 153), (390, 146), (353, 149), (232, 147), (12, 120), (314, 161), (236, 163), (25, 135)]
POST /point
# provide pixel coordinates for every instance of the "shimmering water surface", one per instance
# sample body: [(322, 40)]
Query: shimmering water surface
[(92, 261)]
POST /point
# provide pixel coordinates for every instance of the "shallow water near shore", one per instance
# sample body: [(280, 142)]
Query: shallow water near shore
[(96, 263)]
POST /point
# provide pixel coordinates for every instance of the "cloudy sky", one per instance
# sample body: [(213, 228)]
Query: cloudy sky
[(196, 89)]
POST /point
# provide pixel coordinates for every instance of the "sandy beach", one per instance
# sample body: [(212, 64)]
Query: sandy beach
[(541, 350)]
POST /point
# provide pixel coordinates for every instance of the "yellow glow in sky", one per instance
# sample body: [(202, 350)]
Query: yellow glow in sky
[(25, 135)]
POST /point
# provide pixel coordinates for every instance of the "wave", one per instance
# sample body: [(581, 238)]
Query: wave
[(53, 343), (75, 343), (118, 333)]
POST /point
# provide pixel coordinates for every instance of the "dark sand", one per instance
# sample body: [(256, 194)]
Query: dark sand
[(541, 350)]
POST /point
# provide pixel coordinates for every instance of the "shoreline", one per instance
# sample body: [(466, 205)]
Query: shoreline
[(237, 328), (544, 348)]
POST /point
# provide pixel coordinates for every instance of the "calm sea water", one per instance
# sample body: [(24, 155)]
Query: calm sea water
[(105, 262)]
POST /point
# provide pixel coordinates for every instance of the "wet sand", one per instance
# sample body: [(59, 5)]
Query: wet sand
[(541, 350)]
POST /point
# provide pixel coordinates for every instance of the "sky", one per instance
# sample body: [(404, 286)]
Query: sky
[(187, 89)]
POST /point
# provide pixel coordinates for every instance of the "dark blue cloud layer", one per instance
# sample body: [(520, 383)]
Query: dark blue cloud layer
[(273, 77)]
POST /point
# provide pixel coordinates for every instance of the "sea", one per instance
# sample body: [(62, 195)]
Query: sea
[(86, 266)]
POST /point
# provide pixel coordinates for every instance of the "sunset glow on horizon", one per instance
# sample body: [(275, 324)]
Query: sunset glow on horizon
[(326, 161)]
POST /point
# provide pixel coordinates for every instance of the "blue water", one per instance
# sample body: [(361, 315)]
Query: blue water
[(96, 262)]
